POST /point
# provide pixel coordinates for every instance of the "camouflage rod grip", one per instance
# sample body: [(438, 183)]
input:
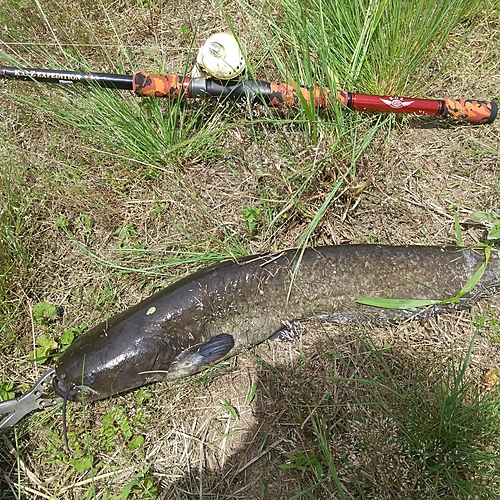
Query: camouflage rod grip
[(470, 110), (274, 94)]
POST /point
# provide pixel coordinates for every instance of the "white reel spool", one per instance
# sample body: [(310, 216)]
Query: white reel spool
[(220, 57)]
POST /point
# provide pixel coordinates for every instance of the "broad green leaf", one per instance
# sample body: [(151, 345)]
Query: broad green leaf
[(46, 342), (68, 337), (81, 464), (494, 233), (45, 346), (136, 442), (480, 216), (6, 391)]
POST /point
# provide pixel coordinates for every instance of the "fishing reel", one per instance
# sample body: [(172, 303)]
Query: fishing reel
[(220, 57)]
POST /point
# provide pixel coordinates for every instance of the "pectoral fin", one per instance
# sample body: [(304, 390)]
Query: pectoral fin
[(200, 356)]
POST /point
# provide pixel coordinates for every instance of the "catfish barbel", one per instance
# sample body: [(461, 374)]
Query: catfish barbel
[(218, 311)]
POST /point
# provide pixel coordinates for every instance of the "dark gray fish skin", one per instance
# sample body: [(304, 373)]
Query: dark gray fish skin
[(218, 311)]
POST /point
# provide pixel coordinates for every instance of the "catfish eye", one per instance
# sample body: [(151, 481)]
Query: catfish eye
[(88, 378)]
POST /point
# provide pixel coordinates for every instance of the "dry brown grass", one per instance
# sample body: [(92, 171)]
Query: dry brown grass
[(406, 189)]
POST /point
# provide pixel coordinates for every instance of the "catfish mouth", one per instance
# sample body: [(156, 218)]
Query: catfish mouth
[(74, 392)]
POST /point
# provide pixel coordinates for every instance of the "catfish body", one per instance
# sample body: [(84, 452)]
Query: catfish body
[(218, 311)]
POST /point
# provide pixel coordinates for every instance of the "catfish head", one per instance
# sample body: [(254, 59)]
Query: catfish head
[(96, 367)]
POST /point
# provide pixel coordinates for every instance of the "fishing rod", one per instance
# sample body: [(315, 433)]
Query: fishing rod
[(274, 94)]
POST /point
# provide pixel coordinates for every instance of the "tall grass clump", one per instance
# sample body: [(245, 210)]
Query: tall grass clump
[(144, 131), (148, 139), (451, 433), (369, 46)]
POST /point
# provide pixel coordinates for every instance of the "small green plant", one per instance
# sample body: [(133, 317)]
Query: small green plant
[(85, 226), (303, 461), (143, 395), (127, 234), (6, 391), (44, 312), (251, 393), (82, 464), (142, 487), (487, 322), (319, 461), (493, 235), (68, 336), (230, 409), (45, 346), (52, 449), (252, 216), (116, 424), (62, 223)]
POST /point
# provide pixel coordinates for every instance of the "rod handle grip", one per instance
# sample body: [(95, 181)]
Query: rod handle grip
[(154, 85), (470, 110)]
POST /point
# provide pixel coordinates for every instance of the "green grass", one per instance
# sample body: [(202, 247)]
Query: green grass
[(450, 433), (147, 132), (441, 430), (362, 45), (382, 47), (371, 46), (15, 252)]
